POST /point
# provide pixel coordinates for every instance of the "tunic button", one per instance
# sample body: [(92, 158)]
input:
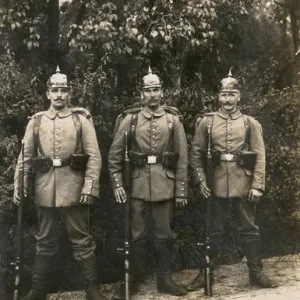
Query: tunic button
[(153, 143), (153, 135), (118, 185), (229, 148), (182, 194), (229, 142), (182, 189), (153, 149), (57, 150), (229, 135), (229, 124)]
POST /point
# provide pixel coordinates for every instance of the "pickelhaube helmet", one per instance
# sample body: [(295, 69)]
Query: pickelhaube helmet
[(229, 83), (151, 80), (58, 79)]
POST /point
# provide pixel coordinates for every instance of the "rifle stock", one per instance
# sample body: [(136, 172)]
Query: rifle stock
[(127, 218), (19, 247)]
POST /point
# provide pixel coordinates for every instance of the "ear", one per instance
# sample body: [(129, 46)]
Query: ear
[(142, 94), (239, 96), (48, 94), (162, 93)]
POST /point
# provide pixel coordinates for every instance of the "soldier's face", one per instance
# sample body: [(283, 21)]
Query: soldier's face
[(229, 100), (152, 96), (58, 96)]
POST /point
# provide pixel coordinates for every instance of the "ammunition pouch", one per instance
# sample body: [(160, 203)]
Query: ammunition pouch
[(137, 159), (246, 159), (169, 160), (41, 164), (78, 161)]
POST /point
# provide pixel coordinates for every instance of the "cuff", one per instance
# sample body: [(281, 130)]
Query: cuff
[(197, 176), (90, 188), (258, 182), (116, 180), (181, 189)]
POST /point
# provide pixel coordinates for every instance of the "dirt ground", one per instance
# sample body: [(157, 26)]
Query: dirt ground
[(231, 283)]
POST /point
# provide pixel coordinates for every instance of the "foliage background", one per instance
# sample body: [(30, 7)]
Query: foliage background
[(105, 48)]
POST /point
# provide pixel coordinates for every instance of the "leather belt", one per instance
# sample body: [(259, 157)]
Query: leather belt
[(58, 162), (228, 157)]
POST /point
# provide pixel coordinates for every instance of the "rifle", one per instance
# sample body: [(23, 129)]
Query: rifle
[(209, 180), (127, 216), (19, 248)]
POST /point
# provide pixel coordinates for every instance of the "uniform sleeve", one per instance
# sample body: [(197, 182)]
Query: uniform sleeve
[(30, 151), (180, 147), (257, 145), (116, 154), (199, 144), (90, 146)]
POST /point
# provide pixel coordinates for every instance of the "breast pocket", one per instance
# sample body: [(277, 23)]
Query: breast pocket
[(248, 172), (170, 174), (135, 173)]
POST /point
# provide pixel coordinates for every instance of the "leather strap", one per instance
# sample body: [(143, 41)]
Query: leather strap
[(36, 132), (77, 123)]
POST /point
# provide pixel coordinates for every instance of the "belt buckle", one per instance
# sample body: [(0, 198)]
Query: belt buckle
[(57, 162), (151, 159), (228, 156)]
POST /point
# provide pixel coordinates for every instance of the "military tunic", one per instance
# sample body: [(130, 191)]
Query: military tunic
[(153, 182), (228, 136), (62, 186)]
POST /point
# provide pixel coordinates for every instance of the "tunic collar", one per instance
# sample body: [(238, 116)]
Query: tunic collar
[(51, 114), (235, 115), (147, 113)]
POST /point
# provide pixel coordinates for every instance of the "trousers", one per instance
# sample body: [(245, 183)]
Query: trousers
[(161, 212), (76, 219)]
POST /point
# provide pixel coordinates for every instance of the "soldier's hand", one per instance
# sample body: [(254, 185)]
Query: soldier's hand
[(180, 202), (16, 199), (254, 195), (120, 195), (204, 190), (86, 199)]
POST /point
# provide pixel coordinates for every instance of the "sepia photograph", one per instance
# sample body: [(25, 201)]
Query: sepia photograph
[(149, 149)]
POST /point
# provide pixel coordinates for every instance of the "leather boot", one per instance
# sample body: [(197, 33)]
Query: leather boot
[(198, 282), (137, 262), (256, 275), (164, 280), (166, 285), (89, 270), (41, 268)]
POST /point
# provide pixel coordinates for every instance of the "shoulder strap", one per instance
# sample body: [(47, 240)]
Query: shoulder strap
[(78, 127), (36, 132), (170, 122), (132, 136), (209, 122), (248, 132)]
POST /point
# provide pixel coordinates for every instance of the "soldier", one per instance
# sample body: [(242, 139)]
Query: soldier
[(61, 149), (238, 176), (158, 156)]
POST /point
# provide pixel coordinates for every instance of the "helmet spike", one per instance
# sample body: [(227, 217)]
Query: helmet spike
[(57, 69), (149, 70), (230, 73)]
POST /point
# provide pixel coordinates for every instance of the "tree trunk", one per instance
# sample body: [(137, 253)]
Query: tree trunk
[(53, 32)]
